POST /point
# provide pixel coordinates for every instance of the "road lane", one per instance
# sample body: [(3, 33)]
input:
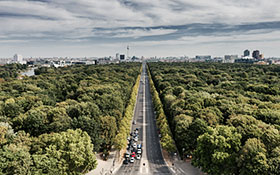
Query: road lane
[(144, 115)]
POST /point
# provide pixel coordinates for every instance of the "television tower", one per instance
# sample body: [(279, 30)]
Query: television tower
[(127, 49)]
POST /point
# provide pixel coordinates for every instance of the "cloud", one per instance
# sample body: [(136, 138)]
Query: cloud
[(133, 32), (111, 21)]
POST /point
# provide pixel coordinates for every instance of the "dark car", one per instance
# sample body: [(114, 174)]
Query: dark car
[(125, 161)]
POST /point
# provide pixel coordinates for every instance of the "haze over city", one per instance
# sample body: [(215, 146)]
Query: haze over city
[(151, 28)]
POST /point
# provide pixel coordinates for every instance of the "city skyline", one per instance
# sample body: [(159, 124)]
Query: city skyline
[(158, 28)]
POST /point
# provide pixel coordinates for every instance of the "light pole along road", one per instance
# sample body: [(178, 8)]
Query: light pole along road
[(151, 161)]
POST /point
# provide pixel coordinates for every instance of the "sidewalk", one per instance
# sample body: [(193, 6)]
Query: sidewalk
[(181, 167), (107, 167)]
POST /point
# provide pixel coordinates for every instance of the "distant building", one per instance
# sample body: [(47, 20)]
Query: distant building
[(18, 59), (230, 58), (261, 56), (248, 60), (117, 56), (203, 57), (246, 53), (262, 63), (215, 60), (122, 57), (256, 54)]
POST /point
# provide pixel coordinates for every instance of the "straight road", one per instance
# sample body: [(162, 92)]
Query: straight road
[(152, 161)]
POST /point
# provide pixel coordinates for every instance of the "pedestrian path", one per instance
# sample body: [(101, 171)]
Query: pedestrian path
[(107, 167), (181, 167)]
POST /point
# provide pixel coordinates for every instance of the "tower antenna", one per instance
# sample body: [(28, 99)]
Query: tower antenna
[(127, 51)]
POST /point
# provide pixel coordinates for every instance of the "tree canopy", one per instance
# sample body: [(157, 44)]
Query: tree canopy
[(225, 115), (56, 120)]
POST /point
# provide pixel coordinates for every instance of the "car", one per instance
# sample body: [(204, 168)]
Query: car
[(136, 129), (133, 154), (132, 160), (134, 122), (125, 161), (139, 146), (127, 155), (138, 156), (139, 151), (128, 138), (134, 150), (134, 145)]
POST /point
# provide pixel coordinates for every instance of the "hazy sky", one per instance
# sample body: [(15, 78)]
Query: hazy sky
[(151, 27)]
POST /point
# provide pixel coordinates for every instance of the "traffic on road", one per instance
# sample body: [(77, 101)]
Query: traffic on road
[(134, 149)]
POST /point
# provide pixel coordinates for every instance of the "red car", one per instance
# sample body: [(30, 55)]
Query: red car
[(133, 154)]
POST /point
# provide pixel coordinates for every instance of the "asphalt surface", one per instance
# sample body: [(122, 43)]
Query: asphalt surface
[(151, 161)]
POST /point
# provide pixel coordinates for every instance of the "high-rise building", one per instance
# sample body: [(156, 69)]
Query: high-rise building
[(18, 59), (118, 56), (246, 53), (256, 54), (122, 57)]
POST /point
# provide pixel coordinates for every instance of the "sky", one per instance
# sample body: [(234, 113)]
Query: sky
[(79, 28)]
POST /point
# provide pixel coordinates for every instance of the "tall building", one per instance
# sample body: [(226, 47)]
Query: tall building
[(118, 56), (122, 57), (256, 54), (18, 59), (246, 53)]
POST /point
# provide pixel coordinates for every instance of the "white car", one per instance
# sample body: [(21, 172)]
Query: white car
[(134, 145), (138, 157), (127, 155), (132, 160), (139, 151)]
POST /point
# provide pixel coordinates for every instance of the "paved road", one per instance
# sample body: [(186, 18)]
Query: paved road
[(151, 156)]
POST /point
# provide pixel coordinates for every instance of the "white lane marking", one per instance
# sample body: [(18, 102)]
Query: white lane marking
[(181, 170), (173, 170)]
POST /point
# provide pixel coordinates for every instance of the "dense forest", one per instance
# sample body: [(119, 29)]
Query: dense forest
[(52, 123), (11, 71), (225, 116)]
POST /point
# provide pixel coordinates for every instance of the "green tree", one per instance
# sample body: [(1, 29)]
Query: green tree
[(69, 152), (217, 150), (274, 161), (14, 153), (252, 159), (108, 130)]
